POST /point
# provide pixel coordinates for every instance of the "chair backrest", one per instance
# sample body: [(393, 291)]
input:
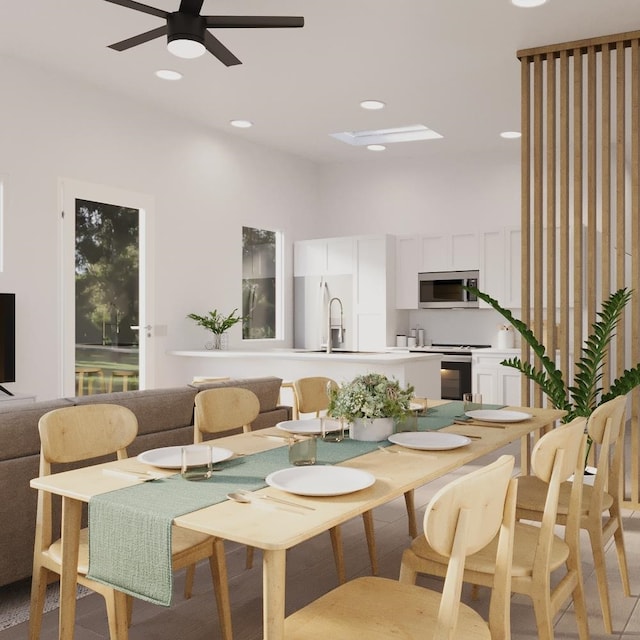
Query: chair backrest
[(556, 457), (463, 517), (311, 393), (606, 428), (73, 434), (222, 409)]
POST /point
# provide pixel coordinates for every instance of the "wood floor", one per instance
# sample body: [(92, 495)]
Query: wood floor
[(310, 572)]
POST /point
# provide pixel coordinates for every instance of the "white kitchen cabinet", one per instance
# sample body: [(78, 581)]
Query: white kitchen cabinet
[(375, 296), (324, 256), (492, 265), (497, 384), (407, 269), (449, 252)]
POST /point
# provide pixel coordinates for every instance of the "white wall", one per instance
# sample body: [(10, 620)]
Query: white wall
[(206, 186)]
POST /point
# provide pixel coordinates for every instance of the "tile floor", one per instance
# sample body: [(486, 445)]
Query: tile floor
[(310, 572)]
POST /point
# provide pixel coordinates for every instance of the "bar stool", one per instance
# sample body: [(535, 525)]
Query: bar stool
[(92, 373), (124, 375)]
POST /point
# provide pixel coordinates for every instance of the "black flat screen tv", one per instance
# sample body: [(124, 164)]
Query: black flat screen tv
[(7, 339)]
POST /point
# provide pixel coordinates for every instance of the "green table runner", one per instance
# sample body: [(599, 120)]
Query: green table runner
[(130, 529)]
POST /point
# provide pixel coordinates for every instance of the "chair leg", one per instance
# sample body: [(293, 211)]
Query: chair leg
[(411, 514), (618, 537), (38, 595), (408, 569), (338, 556), (117, 614), (218, 565), (367, 518), (188, 581), (542, 610), (600, 567), (248, 563)]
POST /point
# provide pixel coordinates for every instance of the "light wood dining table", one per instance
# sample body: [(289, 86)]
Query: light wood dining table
[(276, 528)]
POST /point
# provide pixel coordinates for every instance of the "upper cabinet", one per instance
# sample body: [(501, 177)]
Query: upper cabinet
[(407, 269), (450, 252), (326, 256)]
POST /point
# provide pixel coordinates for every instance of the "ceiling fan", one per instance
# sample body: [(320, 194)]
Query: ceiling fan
[(187, 31)]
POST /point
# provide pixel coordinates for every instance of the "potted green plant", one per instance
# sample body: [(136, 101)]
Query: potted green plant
[(371, 403), (586, 393), (217, 323)]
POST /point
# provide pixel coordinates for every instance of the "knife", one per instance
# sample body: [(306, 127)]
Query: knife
[(476, 423)]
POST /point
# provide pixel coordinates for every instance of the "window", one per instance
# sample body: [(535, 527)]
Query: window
[(261, 284)]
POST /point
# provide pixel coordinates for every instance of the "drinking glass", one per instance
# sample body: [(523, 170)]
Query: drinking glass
[(472, 401), (302, 451), (197, 462), (332, 429)]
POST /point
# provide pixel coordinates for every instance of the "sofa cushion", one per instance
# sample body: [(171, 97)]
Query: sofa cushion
[(19, 427), (267, 389), (156, 409)]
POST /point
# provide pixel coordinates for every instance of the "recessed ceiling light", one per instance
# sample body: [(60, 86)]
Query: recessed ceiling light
[(242, 124), (376, 147), (528, 3), (410, 133), (168, 74), (372, 105), (510, 134)]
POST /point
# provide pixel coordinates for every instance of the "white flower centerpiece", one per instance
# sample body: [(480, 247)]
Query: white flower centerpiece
[(371, 403)]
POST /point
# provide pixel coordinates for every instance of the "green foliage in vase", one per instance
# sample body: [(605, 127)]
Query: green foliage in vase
[(586, 393), (370, 396), (216, 322)]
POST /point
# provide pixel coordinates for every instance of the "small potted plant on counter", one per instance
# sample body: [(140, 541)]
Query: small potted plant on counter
[(371, 403), (217, 323)]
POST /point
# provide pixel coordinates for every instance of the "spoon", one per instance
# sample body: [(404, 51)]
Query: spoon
[(247, 496)]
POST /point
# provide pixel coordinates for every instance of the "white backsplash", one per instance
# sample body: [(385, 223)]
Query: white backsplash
[(457, 326)]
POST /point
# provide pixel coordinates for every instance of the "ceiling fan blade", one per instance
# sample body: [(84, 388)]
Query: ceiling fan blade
[(139, 39), (191, 6), (214, 46), (252, 22), (138, 6)]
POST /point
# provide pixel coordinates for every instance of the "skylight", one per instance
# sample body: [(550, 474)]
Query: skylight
[(409, 133)]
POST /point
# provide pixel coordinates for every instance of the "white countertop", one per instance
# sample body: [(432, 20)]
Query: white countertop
[(395, 357)]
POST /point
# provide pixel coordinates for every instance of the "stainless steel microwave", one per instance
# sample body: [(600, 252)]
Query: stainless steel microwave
[(445, 289)]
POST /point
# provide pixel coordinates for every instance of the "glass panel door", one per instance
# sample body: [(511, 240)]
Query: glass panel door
[(105, 285)]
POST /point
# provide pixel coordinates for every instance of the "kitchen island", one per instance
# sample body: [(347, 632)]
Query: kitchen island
[(422, 370)]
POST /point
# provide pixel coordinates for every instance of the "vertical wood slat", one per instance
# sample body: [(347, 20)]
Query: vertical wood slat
[(577, 203), (525, 214), (620, 191), (591, 189), (605, 265), (538, 191), (563, 342), (551, 153), (635, 259)]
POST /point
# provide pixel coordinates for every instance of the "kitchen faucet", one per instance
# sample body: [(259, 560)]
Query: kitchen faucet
[(330, 326)]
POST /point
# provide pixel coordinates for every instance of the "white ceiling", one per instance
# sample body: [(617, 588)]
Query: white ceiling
[(448, 64)]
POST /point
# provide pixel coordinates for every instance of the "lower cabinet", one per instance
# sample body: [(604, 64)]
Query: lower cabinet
[(497, 384)]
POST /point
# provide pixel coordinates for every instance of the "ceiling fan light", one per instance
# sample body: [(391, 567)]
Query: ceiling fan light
[(185, 48)]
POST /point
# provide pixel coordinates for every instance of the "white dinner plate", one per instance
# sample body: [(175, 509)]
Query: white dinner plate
[(308, 427), (429, 440), (171, 457), (498, 415), (320, 480)]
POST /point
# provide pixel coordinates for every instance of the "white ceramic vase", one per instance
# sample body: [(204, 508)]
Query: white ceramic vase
[(371, 430)]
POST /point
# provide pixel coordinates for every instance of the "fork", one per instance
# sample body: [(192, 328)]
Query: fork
[(252, 495)]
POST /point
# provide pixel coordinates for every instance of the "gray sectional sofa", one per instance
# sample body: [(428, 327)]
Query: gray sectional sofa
[(165, 418)]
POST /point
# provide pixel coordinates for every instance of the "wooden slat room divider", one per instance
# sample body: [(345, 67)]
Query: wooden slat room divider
[(580, 204)]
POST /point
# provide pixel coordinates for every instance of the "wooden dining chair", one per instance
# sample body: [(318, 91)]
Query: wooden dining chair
[(219, 410), (80, 433), (311, 396), (461, 518), (537, 551), (601, 512)]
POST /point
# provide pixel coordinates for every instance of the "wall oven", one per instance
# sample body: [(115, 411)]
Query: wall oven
[(445, 289), (455, 368)]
